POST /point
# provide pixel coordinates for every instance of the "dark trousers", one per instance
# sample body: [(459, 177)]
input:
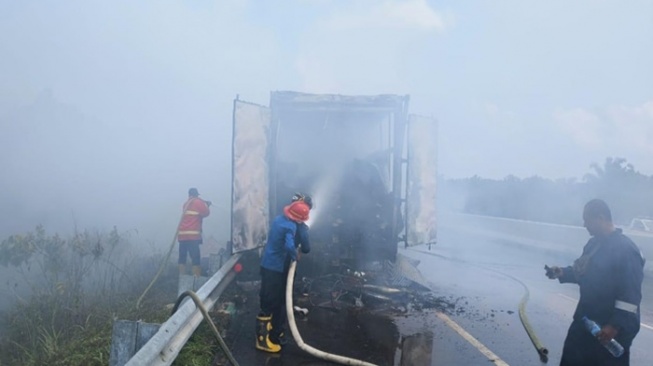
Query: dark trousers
[(189, 248), (273, 299), (583, 349)]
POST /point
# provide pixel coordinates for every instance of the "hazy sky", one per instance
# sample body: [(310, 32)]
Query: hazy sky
[(110, 110)]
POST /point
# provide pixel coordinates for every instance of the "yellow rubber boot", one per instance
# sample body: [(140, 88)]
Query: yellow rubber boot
[(263, 341), (197, 271), (280, 339), (182, 269)]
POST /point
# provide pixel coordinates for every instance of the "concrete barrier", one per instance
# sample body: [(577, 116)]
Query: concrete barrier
[(127, 338)]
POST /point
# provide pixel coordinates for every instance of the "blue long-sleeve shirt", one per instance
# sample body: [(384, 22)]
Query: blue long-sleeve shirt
[(611, 286), (280, 244)]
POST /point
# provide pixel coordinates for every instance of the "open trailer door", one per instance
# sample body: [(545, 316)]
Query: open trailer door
[(250, 214), (421, 219)]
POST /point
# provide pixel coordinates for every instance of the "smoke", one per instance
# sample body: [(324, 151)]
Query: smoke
[(110, 112), (322, 193), (141, 92)]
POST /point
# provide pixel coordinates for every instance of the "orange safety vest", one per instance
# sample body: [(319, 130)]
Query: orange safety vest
[(190, 227)]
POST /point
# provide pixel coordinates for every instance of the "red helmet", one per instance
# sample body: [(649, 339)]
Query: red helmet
[(297, 211)]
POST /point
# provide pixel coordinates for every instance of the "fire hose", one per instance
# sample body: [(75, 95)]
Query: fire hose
[(298, 338), (163, 264), (542, 351), (205, 313)]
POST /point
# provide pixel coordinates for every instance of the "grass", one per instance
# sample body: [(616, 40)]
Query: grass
[(84, 342), (77, 290), (201, 348)]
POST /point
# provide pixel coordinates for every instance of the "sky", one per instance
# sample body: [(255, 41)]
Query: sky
[(110, 111)]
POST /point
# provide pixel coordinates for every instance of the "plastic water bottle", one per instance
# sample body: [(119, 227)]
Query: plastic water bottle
[(613, 346)]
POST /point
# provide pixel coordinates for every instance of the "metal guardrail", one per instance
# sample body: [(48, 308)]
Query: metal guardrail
[(165, 345), (565, 239)]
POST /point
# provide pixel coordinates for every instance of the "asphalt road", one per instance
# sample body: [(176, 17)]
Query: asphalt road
[(486, 278), (482, 279)]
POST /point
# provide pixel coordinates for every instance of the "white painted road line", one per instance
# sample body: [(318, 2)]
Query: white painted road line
[(574, 300), (473, 341), (568, 297)]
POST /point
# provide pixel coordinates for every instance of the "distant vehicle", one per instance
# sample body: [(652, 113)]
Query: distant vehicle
[(642, 224)]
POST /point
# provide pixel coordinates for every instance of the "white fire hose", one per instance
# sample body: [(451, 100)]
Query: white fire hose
[(298, 338)]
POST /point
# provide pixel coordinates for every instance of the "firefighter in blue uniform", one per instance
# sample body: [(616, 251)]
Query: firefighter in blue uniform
[(301, 236), (287, 232), (609, 274)]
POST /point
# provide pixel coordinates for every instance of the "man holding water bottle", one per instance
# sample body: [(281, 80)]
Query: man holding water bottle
[(609, 274)]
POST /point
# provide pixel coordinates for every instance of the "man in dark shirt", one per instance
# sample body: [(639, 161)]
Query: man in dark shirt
[(609, 274)]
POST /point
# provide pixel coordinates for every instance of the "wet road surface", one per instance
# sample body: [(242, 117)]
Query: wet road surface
[(346, 332), (486, 278), (481, 280)]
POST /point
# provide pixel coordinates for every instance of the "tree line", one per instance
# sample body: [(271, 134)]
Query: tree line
[(628, 192)]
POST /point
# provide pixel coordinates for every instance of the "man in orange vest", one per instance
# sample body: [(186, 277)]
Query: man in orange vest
[(189, 232)]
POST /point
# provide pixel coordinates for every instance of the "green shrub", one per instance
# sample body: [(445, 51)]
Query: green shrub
[(77, 286)]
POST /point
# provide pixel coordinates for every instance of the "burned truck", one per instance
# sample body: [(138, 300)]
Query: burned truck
[(368, 164)]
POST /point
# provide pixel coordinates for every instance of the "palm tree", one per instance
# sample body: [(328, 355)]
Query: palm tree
[(612, 171), (626, 190)]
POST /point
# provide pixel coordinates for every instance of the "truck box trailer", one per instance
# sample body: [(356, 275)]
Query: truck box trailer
[(370, 166)]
